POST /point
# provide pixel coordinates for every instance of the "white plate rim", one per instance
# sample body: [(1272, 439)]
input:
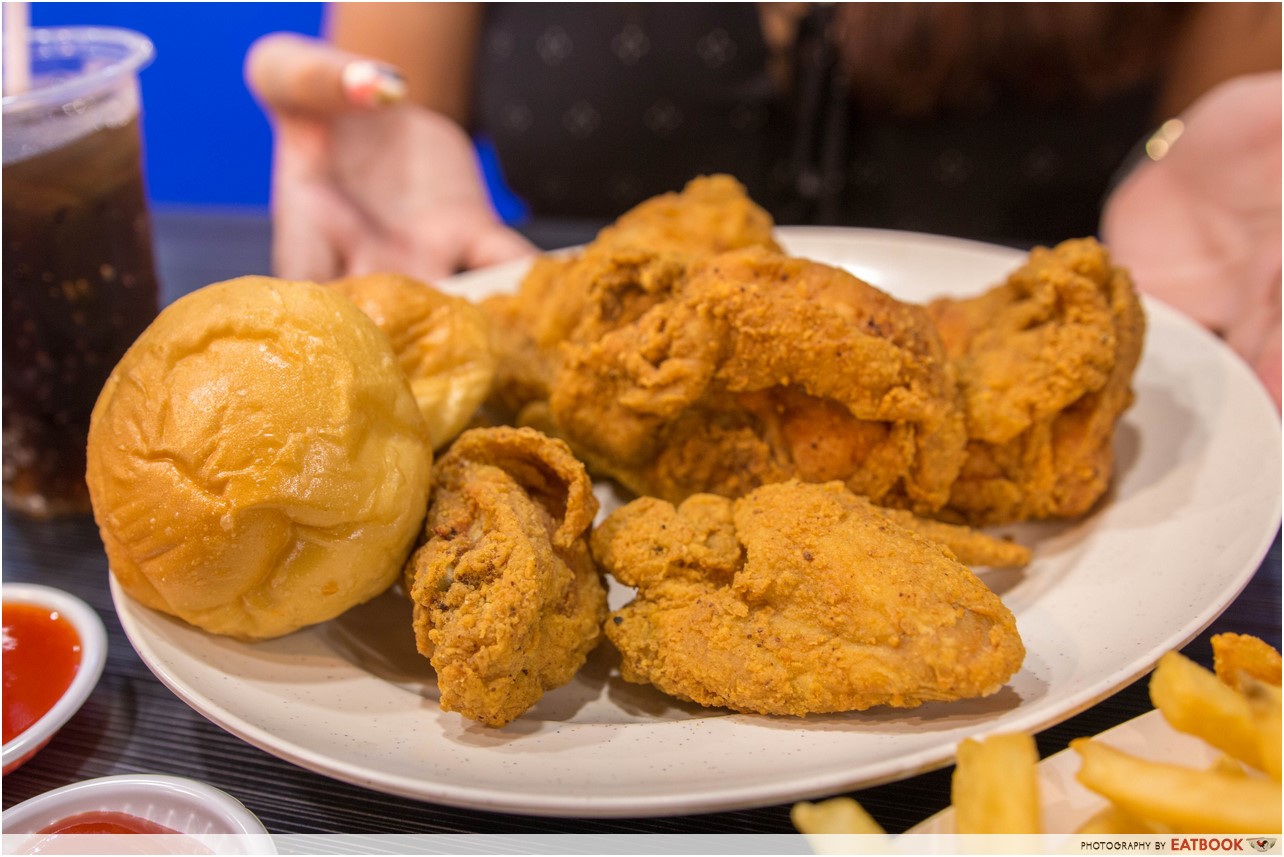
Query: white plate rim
[(735, 795)]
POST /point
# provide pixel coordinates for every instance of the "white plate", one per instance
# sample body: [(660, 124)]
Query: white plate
[(1064, 804), (1194, 508)]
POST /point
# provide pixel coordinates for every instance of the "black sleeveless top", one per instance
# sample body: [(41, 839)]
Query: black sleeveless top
[(592, 108)]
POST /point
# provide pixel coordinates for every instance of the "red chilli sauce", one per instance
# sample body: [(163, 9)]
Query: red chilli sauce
[(41, 655), (102, 821)]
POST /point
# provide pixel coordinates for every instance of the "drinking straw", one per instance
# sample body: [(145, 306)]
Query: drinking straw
[(17, 48)]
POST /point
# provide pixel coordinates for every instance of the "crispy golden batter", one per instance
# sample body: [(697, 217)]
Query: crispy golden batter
[(711, 215), (631, 265), (1045, 362), (799, 598), (600, 287), (682, 353), (508, 601), (971, 547), (442, 343), (760, 368)]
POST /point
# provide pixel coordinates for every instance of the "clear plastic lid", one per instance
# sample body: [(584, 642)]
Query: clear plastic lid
[(82, 79)]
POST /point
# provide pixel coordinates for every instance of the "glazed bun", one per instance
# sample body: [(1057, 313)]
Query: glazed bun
[(256, 461)]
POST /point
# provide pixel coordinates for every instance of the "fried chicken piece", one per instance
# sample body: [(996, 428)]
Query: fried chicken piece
[(442, 343), (761, 368), (598, 288), (711, 215), (971, 547), (1045, 362), (799, 598), (631, 265), (508, 602)]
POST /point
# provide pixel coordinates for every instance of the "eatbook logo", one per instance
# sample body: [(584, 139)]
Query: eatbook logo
[(1262, 845)]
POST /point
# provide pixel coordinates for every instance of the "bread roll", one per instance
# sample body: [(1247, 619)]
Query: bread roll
[(441, 341), (256, 461)]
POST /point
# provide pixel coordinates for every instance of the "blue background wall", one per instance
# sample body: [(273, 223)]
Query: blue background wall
[(207, 142)]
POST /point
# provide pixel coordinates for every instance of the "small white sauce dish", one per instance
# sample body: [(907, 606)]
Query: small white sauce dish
[(93, 655), (204, 819)]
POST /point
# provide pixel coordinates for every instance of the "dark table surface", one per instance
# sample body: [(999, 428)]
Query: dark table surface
[(133, 724)]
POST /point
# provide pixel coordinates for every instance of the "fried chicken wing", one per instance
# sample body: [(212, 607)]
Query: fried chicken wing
[(799, 598), (631, 265), (508, 602), (760, 368), (1045, 362)]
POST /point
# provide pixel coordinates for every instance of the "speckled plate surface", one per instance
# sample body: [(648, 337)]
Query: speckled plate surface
[(1193, 510)]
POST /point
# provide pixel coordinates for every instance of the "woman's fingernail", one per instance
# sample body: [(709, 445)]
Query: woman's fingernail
[(1161, 142), (372, 84)]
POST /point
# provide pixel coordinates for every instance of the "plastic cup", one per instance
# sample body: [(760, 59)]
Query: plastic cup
[(79, 283)]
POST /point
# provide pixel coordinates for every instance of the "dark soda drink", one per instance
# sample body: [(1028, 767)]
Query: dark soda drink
[(78, 276), (79, 286)]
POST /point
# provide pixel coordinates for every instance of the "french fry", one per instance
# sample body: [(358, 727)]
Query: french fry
[(1234, 709), (1264, 707), (1240, 653), (1183, 799), (1226, 766), (830, 826), (1194, 701), (837, 815), (995, 786)]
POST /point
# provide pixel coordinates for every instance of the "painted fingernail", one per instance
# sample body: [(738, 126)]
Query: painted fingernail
[(1161, 142), (372, 84)]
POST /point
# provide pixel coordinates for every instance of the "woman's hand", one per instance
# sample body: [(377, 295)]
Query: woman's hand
[(362, 180), (1200, 226)]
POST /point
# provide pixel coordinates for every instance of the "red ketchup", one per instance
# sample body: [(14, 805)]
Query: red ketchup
[(102, 821), (41, 656)]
